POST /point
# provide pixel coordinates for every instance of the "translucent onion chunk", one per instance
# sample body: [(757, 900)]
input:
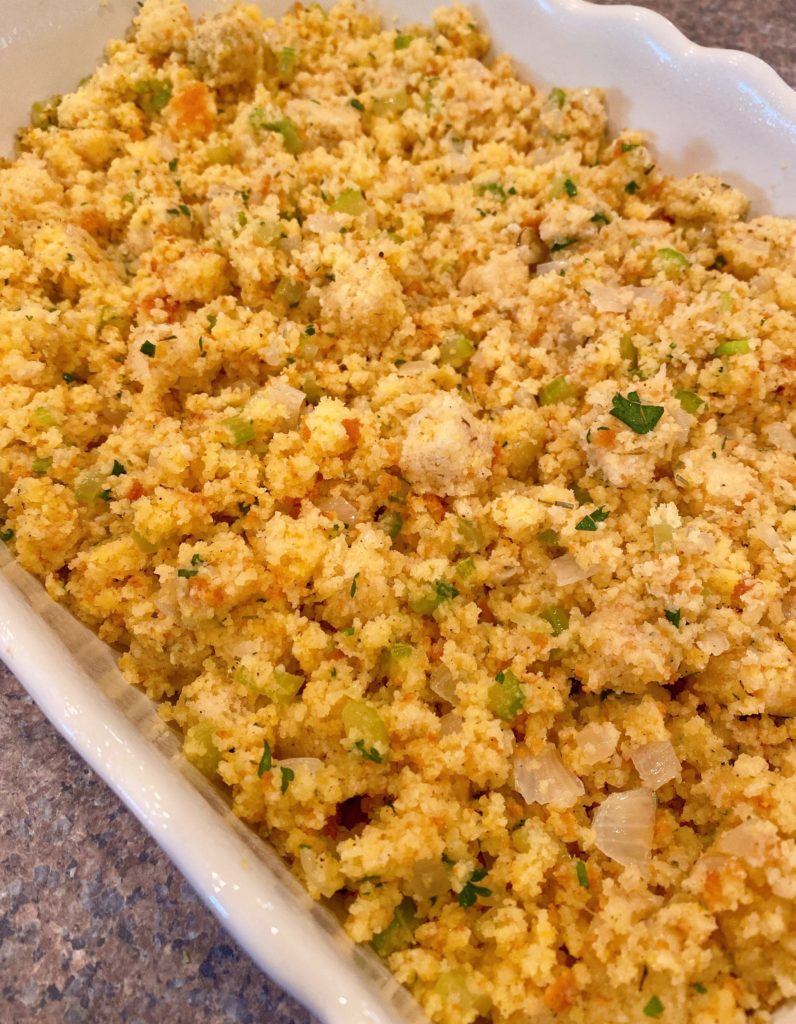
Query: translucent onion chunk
[(624, 824), (545, 780), (656, 763), (597, 742)]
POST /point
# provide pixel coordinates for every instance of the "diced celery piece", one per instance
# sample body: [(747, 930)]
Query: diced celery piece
[(690, 401), (735, 347), (628, 351), (673, 256), (457, 997), (662, 536), (366, 731), (557, 618), (241, 430), (286, 61), (557, 390), (89, 487), (456, 350), (350, 201), (400, 932), (143, 544), (506, 698), (43, 417), (465, 568), (290, 292), (388, 106), (200, 748)]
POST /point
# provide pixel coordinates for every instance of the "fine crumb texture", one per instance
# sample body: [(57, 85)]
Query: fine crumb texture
[(429, 456)]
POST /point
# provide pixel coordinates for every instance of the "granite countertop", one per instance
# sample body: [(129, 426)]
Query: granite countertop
[(95, 923)]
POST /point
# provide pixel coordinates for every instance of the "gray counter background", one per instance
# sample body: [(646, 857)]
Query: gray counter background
[(95, 923)]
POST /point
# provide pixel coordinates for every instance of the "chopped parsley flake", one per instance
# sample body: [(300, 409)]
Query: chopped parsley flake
[(357, 104), (402, 42), (633, 413), (563, 244), (493, 188), (353, 589), (148, 349), (287, 777), (117, 469), (187, 574), (570, 188), (582, 873), (599, 218), (631, 188), (589, 522), (6, 535), (265, 761), (369, 753), (470, 893), (654, 1007), (673, 616)]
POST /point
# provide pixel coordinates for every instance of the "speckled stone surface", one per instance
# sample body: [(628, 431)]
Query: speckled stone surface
[(96, 926)]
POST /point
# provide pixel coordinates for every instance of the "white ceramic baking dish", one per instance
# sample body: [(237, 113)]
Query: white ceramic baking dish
[(705, 109)]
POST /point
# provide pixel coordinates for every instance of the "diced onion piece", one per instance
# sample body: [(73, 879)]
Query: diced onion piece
[(340, 508), (450, 724), (553, 266), (652, 296), (545, 780), (781, 435), (430, 878), (567, 570), (597, 742), (713, 642), (766, 533), (322, 223), (656, 763), (624, 824), (413, 368), (747, 841), (607, 299), (290, 398), (310, 764), (442, 683)]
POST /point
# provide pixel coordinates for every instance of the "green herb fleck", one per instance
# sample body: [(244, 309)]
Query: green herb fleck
[(117, 469), (700, 988), (654, 1008), (470, 893), (493, 188), (563, 244), (357, 104), (42, 465), (148, 349), (402, 42), (583, 875), (628, 146), (631, 188), (265, 761), (570, 188), (674, 616), (287, 777), (633, 413), (369, 753), (353, 589), (187, 574), (6, 535), (599, 218), (558, 96), (589, 522)]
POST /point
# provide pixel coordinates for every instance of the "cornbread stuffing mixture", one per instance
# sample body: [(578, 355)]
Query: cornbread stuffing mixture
[(429, 456)]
